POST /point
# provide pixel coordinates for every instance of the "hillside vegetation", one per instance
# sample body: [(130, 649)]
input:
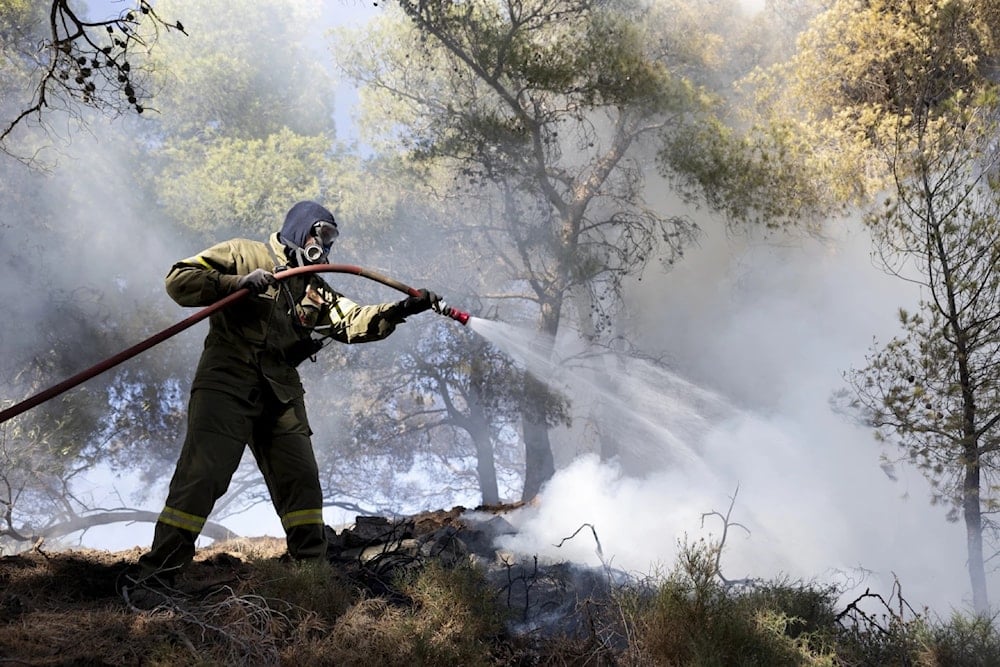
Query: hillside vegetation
[(423, 593)]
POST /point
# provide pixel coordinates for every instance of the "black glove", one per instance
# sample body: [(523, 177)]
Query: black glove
[(256, 281), (425, 300)]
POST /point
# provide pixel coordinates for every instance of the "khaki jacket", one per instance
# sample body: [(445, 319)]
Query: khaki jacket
[(262, 337)]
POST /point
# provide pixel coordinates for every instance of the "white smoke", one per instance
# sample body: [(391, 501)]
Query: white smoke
[(772, 329)]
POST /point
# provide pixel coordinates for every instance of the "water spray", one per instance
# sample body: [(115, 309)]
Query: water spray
[(441, 307)]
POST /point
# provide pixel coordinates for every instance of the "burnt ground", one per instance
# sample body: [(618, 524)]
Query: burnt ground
[(229, 607), (62, 608)]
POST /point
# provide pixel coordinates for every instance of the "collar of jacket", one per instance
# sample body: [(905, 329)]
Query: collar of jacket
[(278, 251)]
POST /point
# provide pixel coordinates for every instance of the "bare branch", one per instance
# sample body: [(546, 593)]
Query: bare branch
[(95, 64), (727, 522)]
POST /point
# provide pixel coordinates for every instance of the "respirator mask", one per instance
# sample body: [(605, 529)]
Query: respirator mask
[(325, 234)]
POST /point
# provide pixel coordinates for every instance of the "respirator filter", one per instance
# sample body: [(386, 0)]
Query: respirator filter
[(325, 234), (314, 253)]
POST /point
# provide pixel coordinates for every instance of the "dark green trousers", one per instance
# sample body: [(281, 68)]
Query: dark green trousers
[(220, 426)]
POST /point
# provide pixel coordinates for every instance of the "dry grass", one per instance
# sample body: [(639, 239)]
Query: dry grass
[(240, 604)]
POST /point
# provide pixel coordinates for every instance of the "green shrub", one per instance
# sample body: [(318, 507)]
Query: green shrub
[(452, 620), (963, 642), (889, 640), (692, 618)]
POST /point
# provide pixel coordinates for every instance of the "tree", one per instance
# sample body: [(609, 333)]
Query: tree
[(932, 391), (58, 331), (247, 70), (755, 162), (66, 61), (454, 400), (906, 89), (56, 321), (244, 186), (543, 108), (242, 132)]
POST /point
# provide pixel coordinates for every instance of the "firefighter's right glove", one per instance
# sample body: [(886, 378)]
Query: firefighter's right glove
[(256, 281), (425, 300)]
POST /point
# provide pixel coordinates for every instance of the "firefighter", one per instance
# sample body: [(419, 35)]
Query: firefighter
[(246, 389)]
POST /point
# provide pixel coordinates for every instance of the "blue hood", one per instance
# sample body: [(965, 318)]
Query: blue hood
[(299, 221)]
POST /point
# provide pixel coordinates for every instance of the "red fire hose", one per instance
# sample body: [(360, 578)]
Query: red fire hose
[(124, 355)]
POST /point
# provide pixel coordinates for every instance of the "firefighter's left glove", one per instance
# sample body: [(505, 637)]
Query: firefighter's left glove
[(424, 300), (256, 281)]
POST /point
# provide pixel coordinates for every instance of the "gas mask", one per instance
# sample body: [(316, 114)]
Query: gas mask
[(325, 233)]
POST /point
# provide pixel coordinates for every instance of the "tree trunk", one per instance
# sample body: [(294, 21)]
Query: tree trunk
[(974, 532), (539, 466), (486, 468), (608, 446)]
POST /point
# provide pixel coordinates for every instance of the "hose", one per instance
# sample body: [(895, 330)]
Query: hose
[(175, 329)]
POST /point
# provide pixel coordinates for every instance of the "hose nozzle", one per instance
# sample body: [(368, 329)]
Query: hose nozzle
[(453, 313)]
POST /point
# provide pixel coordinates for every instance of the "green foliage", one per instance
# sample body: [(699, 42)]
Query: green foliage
[(44, 450), (245, 70), (809, 607), (235, 186), (863, 75), (898, 635), (765, 177), (265, 611), (692, 618), (453, 601), (540, 108), (19, 21), (242, 132), (751, 160), (895, 643), (601, 59), (906, 90), (542, 112), (454, 397), (931, 390), (927, 52), (554, 63), (440, 615), (68, 63), (23, 25), (963, 641)]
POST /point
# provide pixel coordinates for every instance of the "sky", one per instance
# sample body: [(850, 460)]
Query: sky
[(763, 328)]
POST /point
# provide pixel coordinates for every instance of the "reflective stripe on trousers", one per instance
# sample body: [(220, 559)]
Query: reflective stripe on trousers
[(302, 518), (175, 517)]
